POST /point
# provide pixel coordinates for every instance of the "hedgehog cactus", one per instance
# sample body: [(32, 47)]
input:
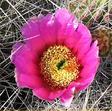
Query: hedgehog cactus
[(104, 37), (88, 10)]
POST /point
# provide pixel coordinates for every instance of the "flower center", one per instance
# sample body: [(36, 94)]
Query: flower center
[(59, 67)]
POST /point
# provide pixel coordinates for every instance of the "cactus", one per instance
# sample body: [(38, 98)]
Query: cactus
[(104, 37), (88, 10)]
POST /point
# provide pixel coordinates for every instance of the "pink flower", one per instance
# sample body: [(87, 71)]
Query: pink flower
[(57, 57)]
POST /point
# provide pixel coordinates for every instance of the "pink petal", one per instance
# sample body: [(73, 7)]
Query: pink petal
[(79, 40), (25, 80), (84, 42), (27, 72), (56, 94), (81, 84), (47, 94), (32, 35), (31, 28), (67, 97), (65, 20), (72, 39), (92, 54), (42, 93), (90, 57), (88, 72), (48, 29), (40, 33), (37, 46), (25, 57)]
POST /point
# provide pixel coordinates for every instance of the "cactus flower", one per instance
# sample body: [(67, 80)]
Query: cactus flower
[(57, 58)]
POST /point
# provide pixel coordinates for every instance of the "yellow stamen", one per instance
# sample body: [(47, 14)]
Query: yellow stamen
[(59, 67)]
